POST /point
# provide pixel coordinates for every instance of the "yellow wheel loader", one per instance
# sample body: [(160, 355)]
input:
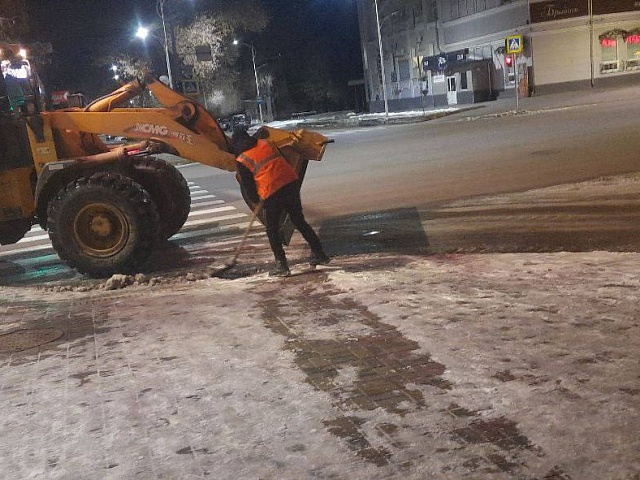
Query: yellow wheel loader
[(105, 209)]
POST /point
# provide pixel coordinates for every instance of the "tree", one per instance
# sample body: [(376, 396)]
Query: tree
[(211, 34), (127, 66), (317, 90), (14, 20)]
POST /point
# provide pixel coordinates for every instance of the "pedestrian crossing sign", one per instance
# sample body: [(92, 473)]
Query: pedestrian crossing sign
[(514, 44)]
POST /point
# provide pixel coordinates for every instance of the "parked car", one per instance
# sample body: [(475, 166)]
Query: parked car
[(243, 119), (225, 124), (111, 140)]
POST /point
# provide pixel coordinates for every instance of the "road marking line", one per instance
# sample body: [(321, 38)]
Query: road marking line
[(199, 194), (211, 210), (202, 197), (206, 204), (37, 239), (25, 250), (212, 231), (214, 220), (33, 238)]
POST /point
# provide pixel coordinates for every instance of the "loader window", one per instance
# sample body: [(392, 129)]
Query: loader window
[(14, 91), (5, 105)]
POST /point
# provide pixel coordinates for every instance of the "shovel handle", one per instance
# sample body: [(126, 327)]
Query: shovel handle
[(254, 215)]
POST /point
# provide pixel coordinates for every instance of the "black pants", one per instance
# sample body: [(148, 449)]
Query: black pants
[(287, 199)]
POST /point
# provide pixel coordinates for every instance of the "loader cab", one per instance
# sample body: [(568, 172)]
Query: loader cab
[(20, 105), (22, 99), (15, 105), (22, 86), (17, 171)]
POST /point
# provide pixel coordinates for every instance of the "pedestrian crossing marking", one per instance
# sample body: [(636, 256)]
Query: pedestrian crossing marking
[(199, 213), (208, 216)]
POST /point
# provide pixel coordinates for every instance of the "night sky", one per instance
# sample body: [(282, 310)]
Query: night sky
[(78, 29)]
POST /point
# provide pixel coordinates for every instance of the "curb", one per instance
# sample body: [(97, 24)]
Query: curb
[(373, 122)]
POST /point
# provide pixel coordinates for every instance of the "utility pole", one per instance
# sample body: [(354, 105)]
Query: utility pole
[(166, 42), (384, 87)]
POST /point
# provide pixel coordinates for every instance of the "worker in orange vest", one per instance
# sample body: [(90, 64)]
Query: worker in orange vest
[(266, 176)]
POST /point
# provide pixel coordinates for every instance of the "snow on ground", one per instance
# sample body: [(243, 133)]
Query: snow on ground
[(353, 117), (457, 366)]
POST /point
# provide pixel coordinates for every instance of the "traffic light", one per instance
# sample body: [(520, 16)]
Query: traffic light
[(508, 60)]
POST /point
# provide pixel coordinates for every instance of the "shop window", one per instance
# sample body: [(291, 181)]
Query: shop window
[(404, 69), (464, 80), (633, 50), (431, 11), (609, 55), (417, 12), (454, 10)]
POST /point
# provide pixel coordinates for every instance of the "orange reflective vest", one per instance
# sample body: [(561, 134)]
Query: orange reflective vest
[(270, 170)]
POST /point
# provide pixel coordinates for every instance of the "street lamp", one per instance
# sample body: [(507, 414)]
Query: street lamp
[(143, 33), (255, 72), (384, 87)]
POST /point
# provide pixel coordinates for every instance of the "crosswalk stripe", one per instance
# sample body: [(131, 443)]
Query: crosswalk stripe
[(215, 220), (200, 194), (202, 198), (215, 230), (198, 213), (208, 216), (33, 238), (206, 204), (37, 261), (26, 250)]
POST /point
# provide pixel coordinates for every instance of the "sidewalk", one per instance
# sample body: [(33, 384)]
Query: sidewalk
[(389, 366), (500, 106), (494, 366)]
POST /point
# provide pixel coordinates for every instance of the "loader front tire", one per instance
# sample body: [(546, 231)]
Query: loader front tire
[(103, 224), (168, 189)]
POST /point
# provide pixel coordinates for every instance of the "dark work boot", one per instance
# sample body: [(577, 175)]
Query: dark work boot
[(281, 269), (318, 258)]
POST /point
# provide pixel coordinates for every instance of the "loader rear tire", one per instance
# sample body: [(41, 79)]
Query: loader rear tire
[(12, 231), (168, 189), (103, 224)]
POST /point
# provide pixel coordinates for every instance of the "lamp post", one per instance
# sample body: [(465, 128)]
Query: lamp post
[(255, 72), (160, 6), (143, 33), (384, 87)]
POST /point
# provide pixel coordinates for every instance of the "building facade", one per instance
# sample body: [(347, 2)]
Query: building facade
[(444, 52)]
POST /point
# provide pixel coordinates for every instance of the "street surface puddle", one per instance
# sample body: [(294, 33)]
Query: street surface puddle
[(398, 231)]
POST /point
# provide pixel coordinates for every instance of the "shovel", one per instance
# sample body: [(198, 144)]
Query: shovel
[(215, 271)]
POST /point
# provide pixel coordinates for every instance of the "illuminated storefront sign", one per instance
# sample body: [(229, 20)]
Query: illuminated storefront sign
[(439, 63), (558, 10), (550, 10)]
